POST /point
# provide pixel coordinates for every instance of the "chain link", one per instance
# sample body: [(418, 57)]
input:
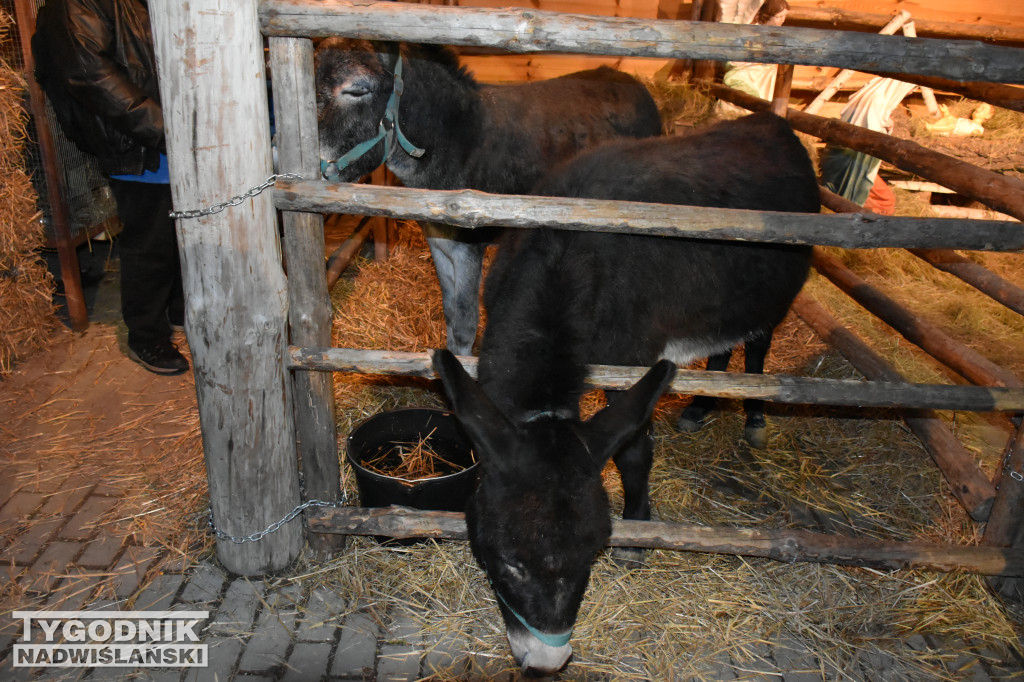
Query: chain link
[(276, 525), (234, 201)]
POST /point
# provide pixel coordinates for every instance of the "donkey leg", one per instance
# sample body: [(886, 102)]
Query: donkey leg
[(755, 430), (692, 418), (458, 259), (634, 463)]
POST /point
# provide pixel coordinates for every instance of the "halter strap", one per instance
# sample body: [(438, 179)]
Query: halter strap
[(556, 640), (387, 130)]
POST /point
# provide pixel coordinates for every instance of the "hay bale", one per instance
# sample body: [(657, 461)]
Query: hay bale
[(27, 316)]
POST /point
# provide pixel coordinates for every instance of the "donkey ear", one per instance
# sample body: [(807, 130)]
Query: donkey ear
[(609, 429), (491, 434)]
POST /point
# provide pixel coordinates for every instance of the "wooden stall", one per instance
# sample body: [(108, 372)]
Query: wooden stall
[(253, 415)]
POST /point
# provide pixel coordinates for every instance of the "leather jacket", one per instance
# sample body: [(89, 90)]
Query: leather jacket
[(95, 61)]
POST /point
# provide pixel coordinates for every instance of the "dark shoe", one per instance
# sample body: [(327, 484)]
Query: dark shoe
[(161, 357)]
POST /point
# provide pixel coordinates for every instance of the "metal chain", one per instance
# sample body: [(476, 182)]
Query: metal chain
[(234, 201), (276, 525)]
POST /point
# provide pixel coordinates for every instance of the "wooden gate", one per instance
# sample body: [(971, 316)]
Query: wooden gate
[(239, 244)]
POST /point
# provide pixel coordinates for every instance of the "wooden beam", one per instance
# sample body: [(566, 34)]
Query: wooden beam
[(822, 17), (779, 544), (56, 193), (783, 87), (966, 480), (1001, 192), (1005, 526), (965, 361), (470, 209), (975, 274), (774, 387), (213, 85), (309, 305), (529, 30), (343, 255), (844, 75), (997, 94)]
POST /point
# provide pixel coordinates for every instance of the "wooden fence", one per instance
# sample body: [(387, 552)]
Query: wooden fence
[(212, 158)]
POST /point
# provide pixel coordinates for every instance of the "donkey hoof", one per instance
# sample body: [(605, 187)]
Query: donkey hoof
[(629, 558), (756, 436)]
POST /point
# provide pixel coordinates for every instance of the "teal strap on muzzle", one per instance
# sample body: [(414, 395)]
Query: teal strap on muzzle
[(387, 130), (557, 640)]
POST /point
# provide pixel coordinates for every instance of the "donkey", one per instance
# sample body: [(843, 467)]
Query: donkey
[(414, 108), (558, 300)]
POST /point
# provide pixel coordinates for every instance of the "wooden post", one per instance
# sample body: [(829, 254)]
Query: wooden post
[(309, 318), (783, 85), (1005, 526), (213, 86), (56, 194)]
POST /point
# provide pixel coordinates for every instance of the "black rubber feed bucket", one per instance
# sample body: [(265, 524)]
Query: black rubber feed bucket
[(382, 433)]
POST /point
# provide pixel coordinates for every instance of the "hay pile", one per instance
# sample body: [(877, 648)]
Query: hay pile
[(837, 471), (27, 316)]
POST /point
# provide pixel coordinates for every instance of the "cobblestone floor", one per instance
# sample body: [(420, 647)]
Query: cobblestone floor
[(64, 547)]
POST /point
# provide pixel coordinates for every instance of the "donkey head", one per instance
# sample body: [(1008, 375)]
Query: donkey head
[(539, 515), (354, 81)]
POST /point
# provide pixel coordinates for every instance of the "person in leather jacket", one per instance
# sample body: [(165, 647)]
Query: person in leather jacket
[(95, 61)]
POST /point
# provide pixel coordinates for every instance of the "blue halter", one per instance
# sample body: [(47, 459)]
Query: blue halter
[(556, 640), (387, 130)]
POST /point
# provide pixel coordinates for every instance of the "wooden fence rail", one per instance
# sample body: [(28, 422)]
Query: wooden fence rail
[(528, 30), (780, 544), (470, 208), (775, 387)]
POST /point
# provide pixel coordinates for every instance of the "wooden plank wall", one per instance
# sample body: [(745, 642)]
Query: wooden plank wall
[(507, 68)]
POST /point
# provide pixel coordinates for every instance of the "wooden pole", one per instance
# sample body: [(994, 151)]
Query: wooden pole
[(343, 255), (779, 544), (309, 305), (1006, 96), (56, 194), (839, 80), (965, 361), (1001, 192), (927, 94), (978, 276), (783, 86), (975, 274), (213, 86), (470, 209), (529, 30), (1005, 526), (832, 17), (775, 387), (966, 480)]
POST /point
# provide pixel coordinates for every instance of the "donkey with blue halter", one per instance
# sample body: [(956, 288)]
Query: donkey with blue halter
[(558, 300), (415, 109)]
